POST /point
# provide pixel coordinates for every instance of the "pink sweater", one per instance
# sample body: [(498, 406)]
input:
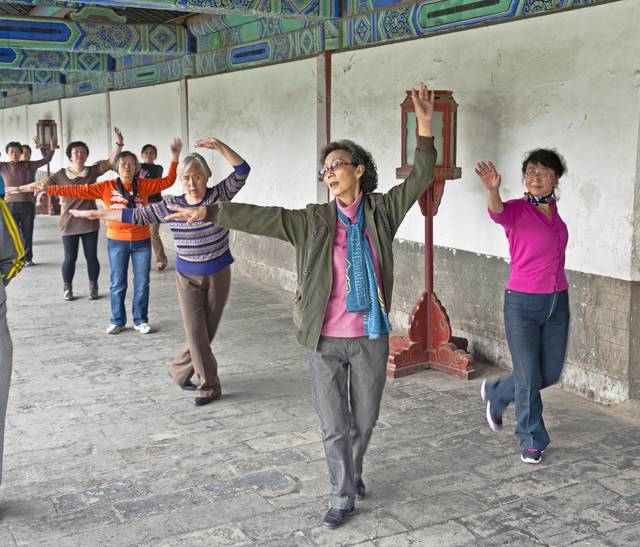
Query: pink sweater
[(337, 320), (536, 245)]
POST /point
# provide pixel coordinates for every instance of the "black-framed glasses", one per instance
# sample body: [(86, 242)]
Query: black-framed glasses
[(334, 165)]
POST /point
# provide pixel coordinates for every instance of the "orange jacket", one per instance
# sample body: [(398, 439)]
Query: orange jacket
[(107, 191)]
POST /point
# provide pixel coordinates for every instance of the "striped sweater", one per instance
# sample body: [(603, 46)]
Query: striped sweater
[(202, 247)]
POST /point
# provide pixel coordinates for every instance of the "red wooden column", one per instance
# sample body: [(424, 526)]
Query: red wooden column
[(429, 342)]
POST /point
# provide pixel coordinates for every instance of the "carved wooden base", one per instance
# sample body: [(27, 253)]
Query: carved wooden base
[(409, 354)]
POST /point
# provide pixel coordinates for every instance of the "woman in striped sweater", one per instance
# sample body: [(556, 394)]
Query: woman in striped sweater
[(203, 275)]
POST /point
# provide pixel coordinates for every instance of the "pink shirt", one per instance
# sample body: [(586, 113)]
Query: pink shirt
[(536, 245), (337, 320)]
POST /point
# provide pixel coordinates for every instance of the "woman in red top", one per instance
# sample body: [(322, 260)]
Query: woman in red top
[(125, 241)]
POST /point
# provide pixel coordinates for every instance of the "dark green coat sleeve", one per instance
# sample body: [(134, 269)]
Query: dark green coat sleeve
[(278, 222), (401, 197)]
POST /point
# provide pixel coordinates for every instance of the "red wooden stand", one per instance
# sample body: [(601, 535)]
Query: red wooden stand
[(429, 343)]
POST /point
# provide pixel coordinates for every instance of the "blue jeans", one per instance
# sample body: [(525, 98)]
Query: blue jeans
[(119, 253), (537, 327)]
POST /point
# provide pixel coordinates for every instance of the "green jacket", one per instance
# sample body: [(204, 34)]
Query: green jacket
[(311, 231)]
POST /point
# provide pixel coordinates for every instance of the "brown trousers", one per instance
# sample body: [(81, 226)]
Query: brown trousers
[(156, 244), (202, 300)]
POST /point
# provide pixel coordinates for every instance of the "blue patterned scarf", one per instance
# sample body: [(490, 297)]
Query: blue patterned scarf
[(363, 291)]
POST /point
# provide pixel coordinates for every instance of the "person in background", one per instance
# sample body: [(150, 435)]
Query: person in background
[(150, 170), (74, 230), (536, 300), (344, 262), (203, 263), (125, 242), (11, 262), (15, 173)]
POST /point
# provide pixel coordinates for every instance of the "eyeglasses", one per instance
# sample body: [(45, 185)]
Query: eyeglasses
[(335, 165), (544, 176)]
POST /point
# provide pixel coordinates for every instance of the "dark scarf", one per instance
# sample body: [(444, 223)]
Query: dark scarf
[(538, 200), (129, 197)]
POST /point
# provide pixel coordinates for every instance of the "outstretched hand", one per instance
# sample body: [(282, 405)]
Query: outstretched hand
[(423, 101), (488, 174), (209, 142), (92, 213), (186, 214), (176, 146), (119, 137)]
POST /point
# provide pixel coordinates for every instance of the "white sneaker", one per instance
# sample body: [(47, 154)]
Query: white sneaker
[(114, 329), (143, 328)]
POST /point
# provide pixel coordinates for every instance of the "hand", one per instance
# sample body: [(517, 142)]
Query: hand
[(187, 214), (488, 174), (9, 190), (38, 186), (36, 142), (210, 142), (119, 137), (92, 214), (176, 146), (423, 101)]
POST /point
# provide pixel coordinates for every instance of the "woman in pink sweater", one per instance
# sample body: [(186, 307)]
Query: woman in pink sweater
[(536, 302)]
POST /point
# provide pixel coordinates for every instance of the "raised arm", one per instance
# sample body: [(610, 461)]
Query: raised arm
[(491, 180), (402, 196), (153, 186), (231, 185), (47, 154), (225, 151), (118, 143)]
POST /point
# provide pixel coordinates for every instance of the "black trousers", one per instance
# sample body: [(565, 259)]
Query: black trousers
[(24, 213), (90, 248)]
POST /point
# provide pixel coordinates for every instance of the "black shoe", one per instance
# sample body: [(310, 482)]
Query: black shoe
[(361, 490), (188, 386), (336, 517), (531, 455), (201, 401)]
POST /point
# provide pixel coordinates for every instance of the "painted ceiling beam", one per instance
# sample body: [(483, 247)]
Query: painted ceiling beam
[(64, 35), (30, 77), (267, 8), (63, 61)]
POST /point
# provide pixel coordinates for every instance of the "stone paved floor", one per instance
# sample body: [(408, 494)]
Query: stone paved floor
[(102, 449)]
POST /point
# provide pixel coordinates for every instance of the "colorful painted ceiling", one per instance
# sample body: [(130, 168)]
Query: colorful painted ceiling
[(53, 49)]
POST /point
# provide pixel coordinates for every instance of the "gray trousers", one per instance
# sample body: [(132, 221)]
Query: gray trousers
[(347, 379), (6, 352)]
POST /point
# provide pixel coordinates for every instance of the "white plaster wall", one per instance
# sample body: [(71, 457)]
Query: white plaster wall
[(85, 119), (14, 127), (565, 81), (149, 115), (268, 115)]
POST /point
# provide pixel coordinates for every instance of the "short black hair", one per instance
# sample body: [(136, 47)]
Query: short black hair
[(13, 144), (547, 157), (359, 156), (155, 150), (76, 144), (27, 147)]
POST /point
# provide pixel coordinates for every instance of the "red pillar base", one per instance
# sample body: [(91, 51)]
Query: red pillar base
[(411, 353)]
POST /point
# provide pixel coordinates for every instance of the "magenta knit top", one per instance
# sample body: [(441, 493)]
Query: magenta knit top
[(537, 247), (337, 320)]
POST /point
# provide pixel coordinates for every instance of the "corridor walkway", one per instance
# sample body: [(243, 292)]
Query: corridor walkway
[(102, 449)]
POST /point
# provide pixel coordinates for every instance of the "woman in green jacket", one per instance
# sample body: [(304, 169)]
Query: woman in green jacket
[(344, 264)]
